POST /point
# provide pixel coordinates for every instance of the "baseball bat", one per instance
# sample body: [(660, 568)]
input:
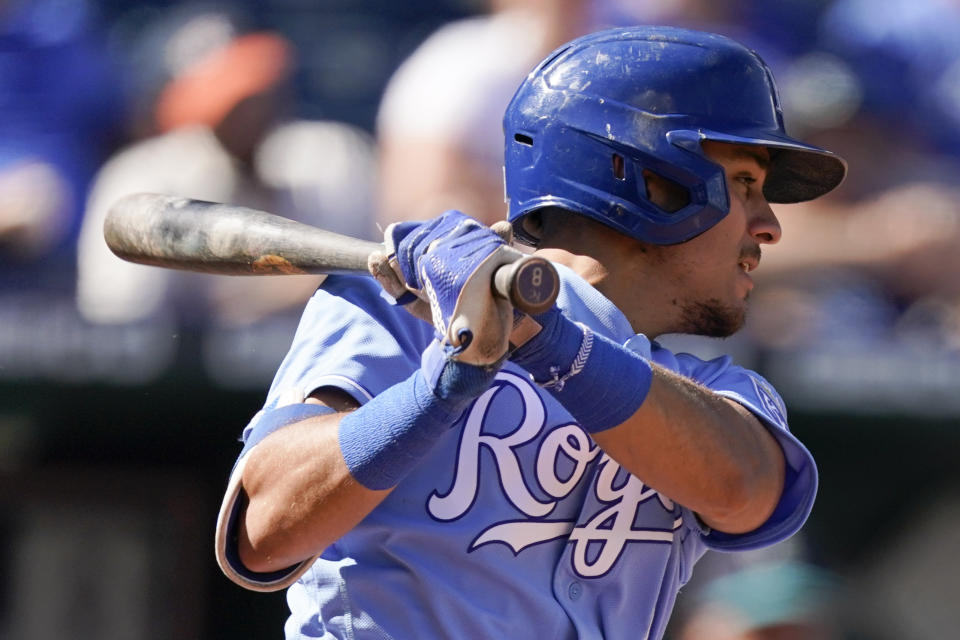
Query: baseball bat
[(195, 235)]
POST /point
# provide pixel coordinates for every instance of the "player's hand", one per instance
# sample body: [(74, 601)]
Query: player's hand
[(379, 266), (393, 283), (449, 262)]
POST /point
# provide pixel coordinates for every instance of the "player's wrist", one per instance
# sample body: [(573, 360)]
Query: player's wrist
[(454, 383), (608, 388), (385, 439), (599, 382), (550, 354), (382, 441)]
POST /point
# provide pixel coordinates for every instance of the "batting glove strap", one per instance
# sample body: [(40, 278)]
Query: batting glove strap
[(386, 438), (599, 382)]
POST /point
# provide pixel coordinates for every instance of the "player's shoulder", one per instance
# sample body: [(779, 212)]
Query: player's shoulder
[(357, 304), (351, 337), (350, 297), (703, 370), (723, 376)]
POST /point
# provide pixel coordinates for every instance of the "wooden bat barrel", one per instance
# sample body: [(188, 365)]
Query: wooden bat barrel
[(195, 235)]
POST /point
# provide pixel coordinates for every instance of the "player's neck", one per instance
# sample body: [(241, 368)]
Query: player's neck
[(625, 282)]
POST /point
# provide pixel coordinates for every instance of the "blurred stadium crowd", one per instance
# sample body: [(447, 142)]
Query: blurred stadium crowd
[(347, 115)]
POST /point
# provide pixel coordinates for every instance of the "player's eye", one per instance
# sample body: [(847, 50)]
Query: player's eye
[(751, 181)]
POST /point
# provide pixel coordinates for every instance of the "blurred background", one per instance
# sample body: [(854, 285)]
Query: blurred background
[(123, 389)]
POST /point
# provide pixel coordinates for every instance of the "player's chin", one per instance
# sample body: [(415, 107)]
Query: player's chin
[(714, 318)]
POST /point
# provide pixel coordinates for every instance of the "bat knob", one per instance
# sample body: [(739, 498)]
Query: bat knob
[(530, 283)]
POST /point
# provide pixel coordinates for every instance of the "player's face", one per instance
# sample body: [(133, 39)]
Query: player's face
[(713, 268)]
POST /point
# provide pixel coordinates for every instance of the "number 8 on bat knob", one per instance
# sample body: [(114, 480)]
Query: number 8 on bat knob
[(531, 284)]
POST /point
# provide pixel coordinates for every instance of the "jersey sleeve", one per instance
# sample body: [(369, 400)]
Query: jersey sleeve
[(751, 390), (350, 337)]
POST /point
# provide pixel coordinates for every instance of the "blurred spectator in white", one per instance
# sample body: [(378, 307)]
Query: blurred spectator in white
[(226, 135), (439, 126), (59, 105)]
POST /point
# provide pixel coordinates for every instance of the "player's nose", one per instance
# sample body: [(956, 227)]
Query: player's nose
[(764, 225)]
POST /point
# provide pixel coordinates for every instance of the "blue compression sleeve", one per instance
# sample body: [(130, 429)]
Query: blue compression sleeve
[(599, 382), (385, 438)]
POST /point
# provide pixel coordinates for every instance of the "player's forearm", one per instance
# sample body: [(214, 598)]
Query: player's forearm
[(312, 481), (702, 451), (301, 496), (679, 437)]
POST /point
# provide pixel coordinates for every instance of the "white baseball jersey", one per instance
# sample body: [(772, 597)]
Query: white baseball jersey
[(515, 525)]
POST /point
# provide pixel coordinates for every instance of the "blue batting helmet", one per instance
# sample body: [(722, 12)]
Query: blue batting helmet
[(597, 112)]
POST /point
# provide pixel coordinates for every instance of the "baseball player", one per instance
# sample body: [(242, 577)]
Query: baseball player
[(485, 474)]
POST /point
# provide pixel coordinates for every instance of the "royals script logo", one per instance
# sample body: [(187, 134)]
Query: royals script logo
[(611, 528)]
